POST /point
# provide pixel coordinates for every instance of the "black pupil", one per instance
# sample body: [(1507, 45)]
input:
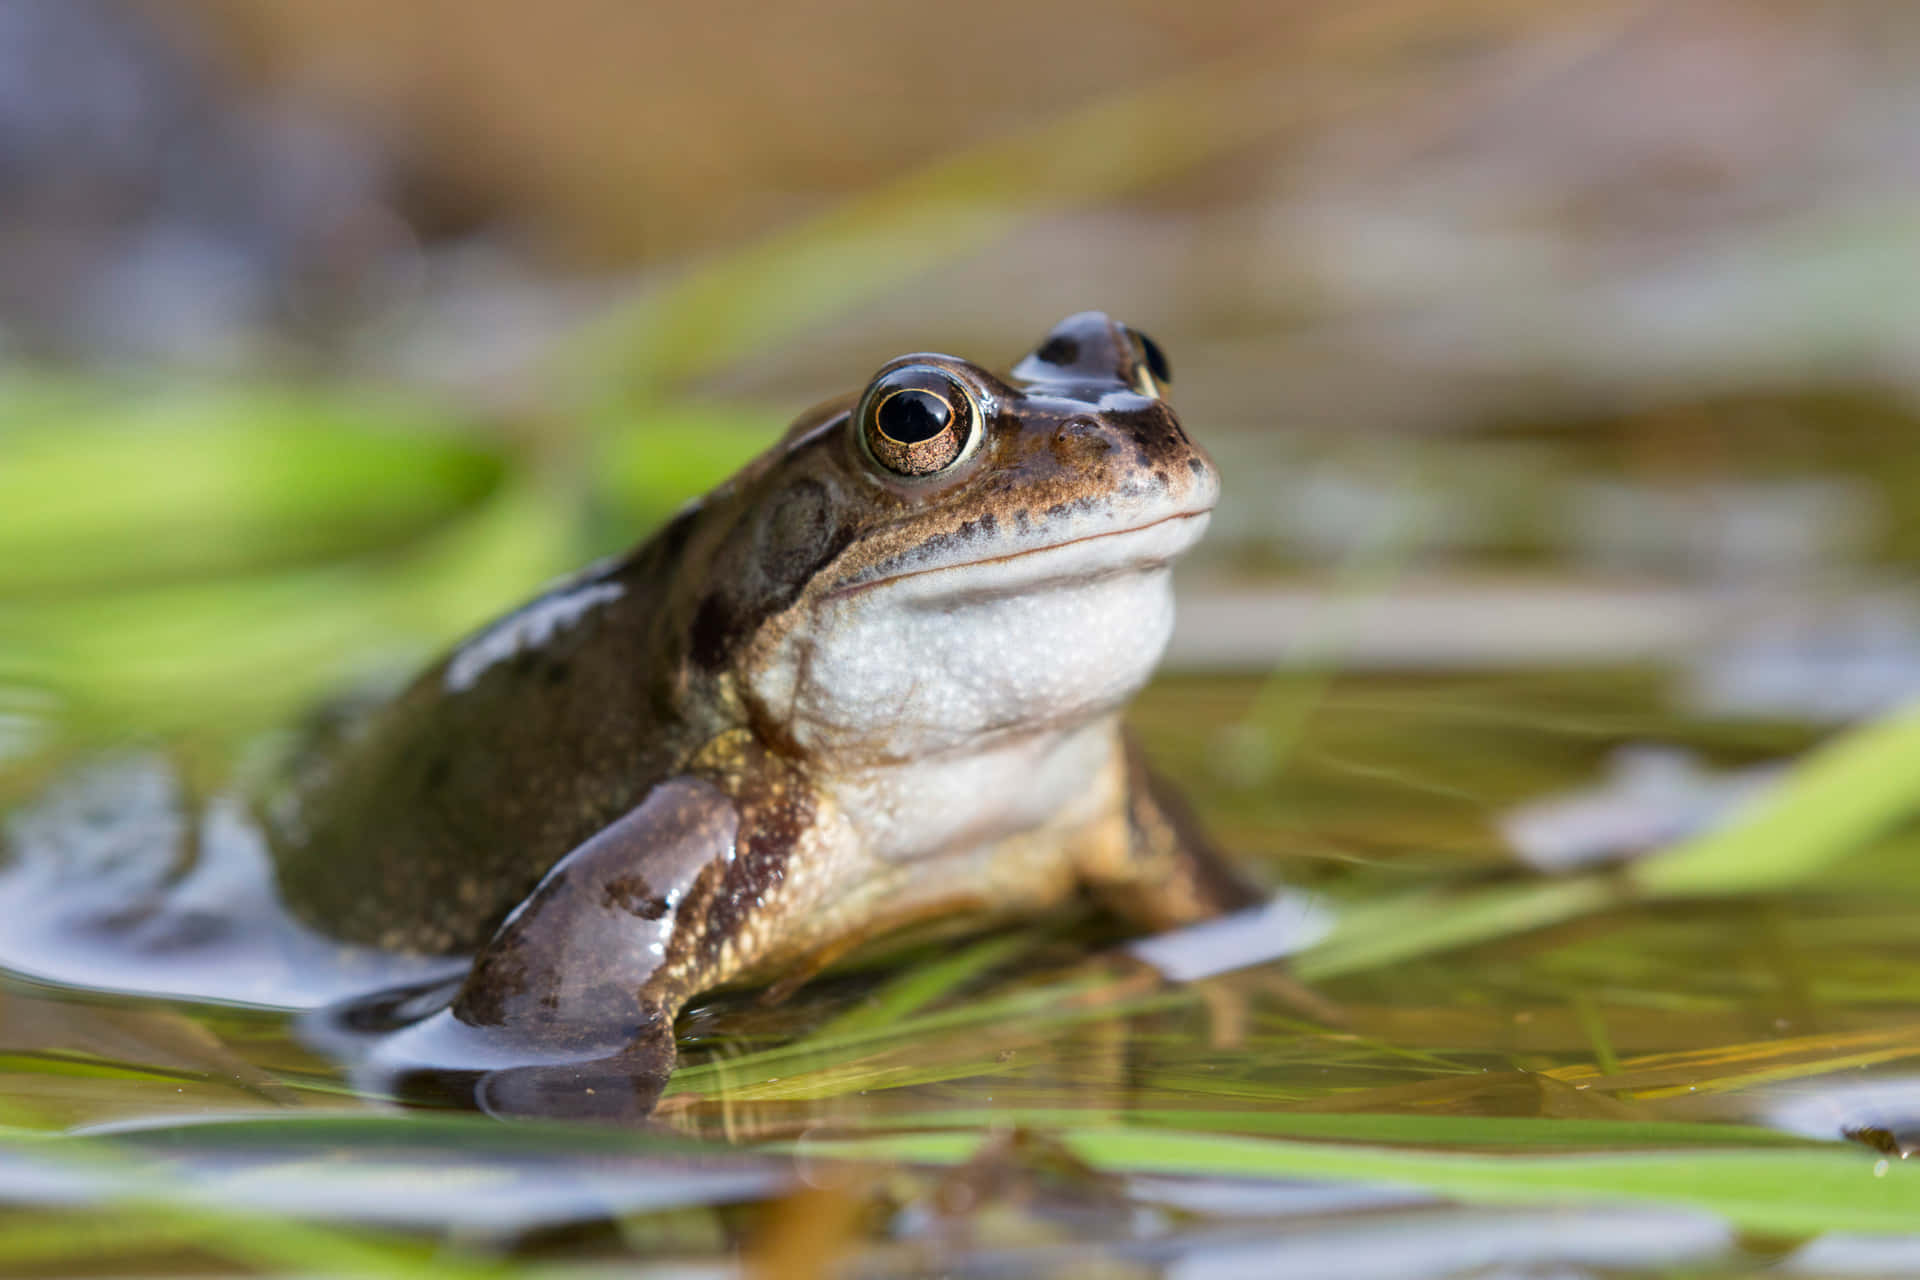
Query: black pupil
[(912, 416)]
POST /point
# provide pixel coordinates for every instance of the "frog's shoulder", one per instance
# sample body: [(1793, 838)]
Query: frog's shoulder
[(636, 581)]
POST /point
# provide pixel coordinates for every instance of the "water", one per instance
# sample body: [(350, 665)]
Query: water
[(1799, 1016)]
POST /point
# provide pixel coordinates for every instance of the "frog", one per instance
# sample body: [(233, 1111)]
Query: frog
[(869, 687)]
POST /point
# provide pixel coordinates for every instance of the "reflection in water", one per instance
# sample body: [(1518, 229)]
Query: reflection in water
[(115, 883), (1285, 924), (1826, 660), (1843, 1254), (1882, 1112), (1653, 796), (1417, 1246), (500, 1186)]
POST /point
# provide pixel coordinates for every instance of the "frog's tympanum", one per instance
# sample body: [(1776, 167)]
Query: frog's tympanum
[(869, 684)]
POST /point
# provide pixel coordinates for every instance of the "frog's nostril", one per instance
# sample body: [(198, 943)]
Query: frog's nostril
[(1082, 435)]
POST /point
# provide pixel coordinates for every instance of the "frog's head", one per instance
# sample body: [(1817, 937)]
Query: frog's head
[(954, 557)]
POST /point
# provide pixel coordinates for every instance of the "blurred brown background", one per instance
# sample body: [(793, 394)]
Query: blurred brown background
[(625, 132), (1708, 191)]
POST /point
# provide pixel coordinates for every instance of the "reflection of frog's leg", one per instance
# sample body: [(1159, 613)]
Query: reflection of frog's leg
[(1165, 872), (584, 979)]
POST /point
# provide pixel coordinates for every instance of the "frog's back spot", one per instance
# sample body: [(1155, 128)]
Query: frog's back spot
[(438, 770), (771, 826), (801, 535), (710, 632), (983, 525), (559, 671), (1070, 507)]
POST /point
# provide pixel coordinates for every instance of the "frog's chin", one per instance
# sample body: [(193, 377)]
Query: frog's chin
[(1138, 548), (962, 657)]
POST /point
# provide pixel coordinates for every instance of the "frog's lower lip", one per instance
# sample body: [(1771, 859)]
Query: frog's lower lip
[(1089, 556)]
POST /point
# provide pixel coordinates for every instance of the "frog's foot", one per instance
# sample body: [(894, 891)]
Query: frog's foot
[(443, 1061)]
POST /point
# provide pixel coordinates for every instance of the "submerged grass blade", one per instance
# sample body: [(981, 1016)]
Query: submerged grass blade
[(139, 1210), (1400, 929), (267, 1242), (1396, 1128), (1804, 1190), (34, 1240), (921, 985), (1074, 999), (1728, 1067)]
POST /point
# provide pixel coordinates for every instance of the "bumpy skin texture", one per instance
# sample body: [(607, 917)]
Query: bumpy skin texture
[(825, 704)]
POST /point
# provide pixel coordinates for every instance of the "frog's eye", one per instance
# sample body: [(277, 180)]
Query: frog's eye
[(1151, 372), (918, 420)]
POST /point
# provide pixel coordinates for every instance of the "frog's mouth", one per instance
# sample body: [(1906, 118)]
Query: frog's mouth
[(1134, 549)]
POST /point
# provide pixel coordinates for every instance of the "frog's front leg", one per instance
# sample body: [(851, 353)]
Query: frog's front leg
[(1161, 871), (580, 986), (569, 1009)]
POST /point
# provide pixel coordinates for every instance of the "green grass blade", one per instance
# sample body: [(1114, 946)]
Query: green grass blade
[(921, 985), (267, 1242), (1396, 1128), (248, 652), (1781, 1191), (1391, 932), (1835, 803), (1053, 1006), (188, 482), (676, 452), (1842, 796)]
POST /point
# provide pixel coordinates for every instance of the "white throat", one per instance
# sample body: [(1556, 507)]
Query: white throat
[(946, 663)]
